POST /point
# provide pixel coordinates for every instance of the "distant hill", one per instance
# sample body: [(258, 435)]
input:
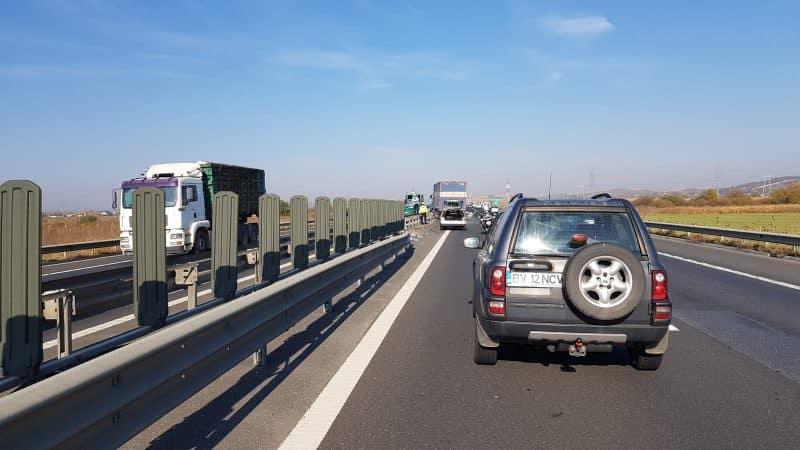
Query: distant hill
[(753, 188)]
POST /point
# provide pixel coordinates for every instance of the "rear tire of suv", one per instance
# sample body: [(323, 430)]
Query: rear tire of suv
[(644, 361), (484, 355)]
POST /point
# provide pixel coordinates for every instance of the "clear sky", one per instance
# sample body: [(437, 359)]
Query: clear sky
[(370, 98)]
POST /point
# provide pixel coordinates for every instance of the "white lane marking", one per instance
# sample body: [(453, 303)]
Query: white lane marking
[(129, 317), (314, 425), (87, 268), (735, 272), (673, 328)]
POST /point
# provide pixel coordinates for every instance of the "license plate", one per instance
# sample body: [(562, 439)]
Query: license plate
[(533, 279)]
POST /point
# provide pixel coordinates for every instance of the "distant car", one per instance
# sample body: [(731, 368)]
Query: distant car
[(453, 216), (570, 275)]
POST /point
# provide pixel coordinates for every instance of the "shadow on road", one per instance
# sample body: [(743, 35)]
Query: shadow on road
[(206, 427), (528, 354)]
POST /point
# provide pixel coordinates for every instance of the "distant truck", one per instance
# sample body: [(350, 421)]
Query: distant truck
[(412, 202), (189, 189), (445, 191)]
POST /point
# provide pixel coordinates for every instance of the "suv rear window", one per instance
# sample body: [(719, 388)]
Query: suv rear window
[(550, 232)]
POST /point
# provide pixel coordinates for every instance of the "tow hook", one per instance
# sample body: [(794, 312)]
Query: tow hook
[(577, 349)]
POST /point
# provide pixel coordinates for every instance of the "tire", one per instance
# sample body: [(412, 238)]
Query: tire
[(647, 362), (484, 355), (577, 272), (202, 243)]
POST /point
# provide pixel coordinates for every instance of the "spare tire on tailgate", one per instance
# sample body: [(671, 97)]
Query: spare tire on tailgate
[(604, 281)]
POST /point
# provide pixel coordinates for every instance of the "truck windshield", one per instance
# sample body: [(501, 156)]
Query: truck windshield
[(551, 232), (170, 197)]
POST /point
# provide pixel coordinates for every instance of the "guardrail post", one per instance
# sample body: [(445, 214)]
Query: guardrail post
[(354, 218), (20, 278), (269, 239), (374, 219), (339, 225), (260, 356), (225, 245), (186, 275), (366, 222), (382, 219), (59, 305), (149, 257), (401, 224), (401, 221), (299, 233), (322, 227)]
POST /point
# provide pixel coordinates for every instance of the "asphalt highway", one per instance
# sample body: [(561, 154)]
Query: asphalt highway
[(729, 380), (731, 377)]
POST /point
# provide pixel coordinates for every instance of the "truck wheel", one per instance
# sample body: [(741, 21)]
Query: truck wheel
[(604, 281), (201, 241), (484, 355)]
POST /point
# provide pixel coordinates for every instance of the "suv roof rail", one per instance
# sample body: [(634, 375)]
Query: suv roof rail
[(516, 197), (604, 195)]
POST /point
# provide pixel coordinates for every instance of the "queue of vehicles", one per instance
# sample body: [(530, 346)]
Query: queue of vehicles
[(567, 275)]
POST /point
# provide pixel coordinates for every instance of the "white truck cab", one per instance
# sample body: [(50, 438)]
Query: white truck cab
[(187, 223)]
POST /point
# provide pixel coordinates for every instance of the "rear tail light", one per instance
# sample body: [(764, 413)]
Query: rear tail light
[(497, 287), (662, 313), (497, 281), (660, 290), (662, 307), (497, 307)]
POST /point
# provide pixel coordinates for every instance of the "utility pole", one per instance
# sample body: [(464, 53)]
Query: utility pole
[(717, 179), (591, 181), (550, 186)]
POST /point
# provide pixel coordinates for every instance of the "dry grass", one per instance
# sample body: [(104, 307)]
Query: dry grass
[(777, 250), (79, 229), (783, 219), (706, 210)]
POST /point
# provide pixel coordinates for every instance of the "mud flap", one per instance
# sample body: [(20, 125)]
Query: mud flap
[(483, 339), (660, 348)]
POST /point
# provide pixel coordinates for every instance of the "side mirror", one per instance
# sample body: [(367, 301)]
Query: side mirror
[(114, 199), (472, 242)]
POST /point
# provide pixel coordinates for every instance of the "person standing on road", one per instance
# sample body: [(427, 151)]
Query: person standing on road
[(423, 212)]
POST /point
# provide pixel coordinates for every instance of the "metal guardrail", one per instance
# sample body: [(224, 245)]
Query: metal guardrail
[(75, 246), (105, 401), (773, 238)]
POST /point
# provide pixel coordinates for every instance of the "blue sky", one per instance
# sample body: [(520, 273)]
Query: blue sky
[(369, 98)]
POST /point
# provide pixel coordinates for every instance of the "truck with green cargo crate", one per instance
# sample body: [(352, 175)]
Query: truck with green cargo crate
[(189, 190)]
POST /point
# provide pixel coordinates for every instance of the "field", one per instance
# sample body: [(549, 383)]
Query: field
[(768, 218), (783, 219), (57, 230)]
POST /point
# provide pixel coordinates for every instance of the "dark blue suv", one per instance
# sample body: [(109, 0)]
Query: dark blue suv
[(570, 275)]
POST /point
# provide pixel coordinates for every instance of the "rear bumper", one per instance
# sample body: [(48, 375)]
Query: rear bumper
[(452, 223), (536, 333)]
